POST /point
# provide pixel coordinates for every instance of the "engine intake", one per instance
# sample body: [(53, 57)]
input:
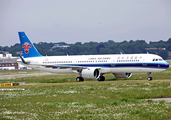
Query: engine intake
[(122, 75), (90, 73)]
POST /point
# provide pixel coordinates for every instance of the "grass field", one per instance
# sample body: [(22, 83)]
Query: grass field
[(63, 78), (61, 97)]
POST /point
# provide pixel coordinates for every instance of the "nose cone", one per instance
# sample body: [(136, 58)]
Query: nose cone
[(167, 65)]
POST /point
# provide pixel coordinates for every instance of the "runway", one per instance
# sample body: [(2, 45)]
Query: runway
[(157, 99), (23, 75)]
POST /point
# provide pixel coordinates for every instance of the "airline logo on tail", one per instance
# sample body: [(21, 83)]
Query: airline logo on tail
[(26, 47)]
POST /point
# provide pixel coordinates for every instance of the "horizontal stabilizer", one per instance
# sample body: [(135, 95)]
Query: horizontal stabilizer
[(23, 59)]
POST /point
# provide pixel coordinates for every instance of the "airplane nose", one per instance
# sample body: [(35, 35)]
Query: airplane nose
[(167, 65)]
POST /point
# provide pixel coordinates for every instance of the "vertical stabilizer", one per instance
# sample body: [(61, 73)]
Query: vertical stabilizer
[(27, 47)]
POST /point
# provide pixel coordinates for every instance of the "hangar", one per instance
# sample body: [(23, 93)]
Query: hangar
[(8, 66)]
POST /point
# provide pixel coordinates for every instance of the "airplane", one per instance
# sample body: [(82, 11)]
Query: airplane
[(91, 66)]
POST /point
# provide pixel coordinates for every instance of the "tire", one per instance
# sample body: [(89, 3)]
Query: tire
[(79, 79), (150, 78), (101, 78)]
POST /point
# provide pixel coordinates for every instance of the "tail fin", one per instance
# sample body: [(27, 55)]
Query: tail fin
[(27, 47)]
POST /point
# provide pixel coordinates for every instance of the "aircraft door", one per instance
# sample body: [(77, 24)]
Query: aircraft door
[(112, 63)]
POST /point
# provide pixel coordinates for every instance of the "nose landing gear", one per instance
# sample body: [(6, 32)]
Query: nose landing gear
[(149, 76)]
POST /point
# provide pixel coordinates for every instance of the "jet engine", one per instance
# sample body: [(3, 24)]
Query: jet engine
[(90, 73), (122, 75)]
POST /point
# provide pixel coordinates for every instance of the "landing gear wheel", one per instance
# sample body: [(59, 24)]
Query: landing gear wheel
[(101, 78), (79, 79), (150, 78)]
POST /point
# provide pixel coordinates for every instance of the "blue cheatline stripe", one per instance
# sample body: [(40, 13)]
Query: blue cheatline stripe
[(123, 65)]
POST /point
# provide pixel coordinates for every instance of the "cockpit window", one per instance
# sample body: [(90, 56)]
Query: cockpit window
[(158, 59)]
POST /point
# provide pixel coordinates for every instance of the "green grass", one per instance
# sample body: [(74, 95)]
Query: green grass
[(62, 78), (99, 100)]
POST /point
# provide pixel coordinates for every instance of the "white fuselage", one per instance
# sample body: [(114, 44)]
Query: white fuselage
[(122, 63)]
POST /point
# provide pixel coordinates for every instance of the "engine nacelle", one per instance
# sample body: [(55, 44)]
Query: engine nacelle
[(90, 73), (122, 75)]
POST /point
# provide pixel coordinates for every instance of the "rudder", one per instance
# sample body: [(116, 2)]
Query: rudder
[(27, 47)]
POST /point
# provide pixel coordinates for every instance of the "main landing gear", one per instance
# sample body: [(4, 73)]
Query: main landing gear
[(81, 79), (149, 76), (101, 78)]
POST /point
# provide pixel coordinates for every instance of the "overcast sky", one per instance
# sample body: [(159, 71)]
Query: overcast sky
[(73, 21)]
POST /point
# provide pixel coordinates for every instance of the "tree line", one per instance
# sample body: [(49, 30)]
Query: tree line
[(92, 48)]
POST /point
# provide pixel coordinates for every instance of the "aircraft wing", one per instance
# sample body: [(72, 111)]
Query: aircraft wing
[(66, 66)]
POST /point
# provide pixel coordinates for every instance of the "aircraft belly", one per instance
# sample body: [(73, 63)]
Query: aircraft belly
[(134, 70)]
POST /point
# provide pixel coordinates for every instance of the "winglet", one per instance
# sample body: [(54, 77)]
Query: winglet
[(27, 47)]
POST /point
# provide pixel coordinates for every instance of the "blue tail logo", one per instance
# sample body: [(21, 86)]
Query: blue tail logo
[(27, 47)]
